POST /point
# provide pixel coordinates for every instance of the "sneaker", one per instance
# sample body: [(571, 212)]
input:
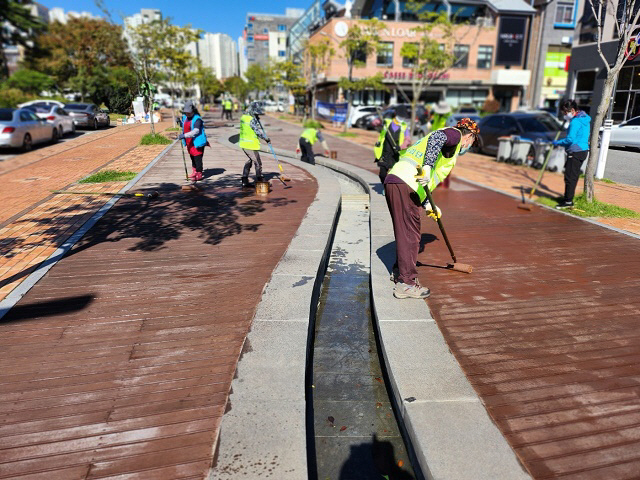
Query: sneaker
[(199, 176), (564, 204), (245, 183), (402, 290)]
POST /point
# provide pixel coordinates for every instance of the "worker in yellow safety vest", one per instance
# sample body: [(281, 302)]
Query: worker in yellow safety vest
[(423, 165), (250, 134), (393, 138), (228, 106), (308, 138)]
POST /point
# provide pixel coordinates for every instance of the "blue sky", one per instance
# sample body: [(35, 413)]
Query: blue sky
[(225, 16)]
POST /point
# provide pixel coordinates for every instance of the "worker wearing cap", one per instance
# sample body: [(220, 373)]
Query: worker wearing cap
[(393, 138), (250, 135), (194, 138), (423, 165), (307, 140)]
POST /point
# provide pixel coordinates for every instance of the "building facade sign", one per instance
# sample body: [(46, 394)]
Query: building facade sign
[(511, 39), (409, 75)]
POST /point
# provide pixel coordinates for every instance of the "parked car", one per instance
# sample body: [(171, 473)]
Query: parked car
[(626, 134), (371, 121), (403, 112), (466, 112), (532, 126), (456, 117), (87, 115), (358, 113), (21, 128), (41, 103), (56, 115)]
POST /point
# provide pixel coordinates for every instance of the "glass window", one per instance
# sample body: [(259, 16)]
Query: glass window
[(385, 54), (624, 79), (485, 55), (282, 28), (250, 38), (282, 53), (25, 117), (265, 30), (634, 122), (409, 62), (635, 82), (249, 26), (509, 124), (360, 56), (460, 56), (564, 12), (585, 81)]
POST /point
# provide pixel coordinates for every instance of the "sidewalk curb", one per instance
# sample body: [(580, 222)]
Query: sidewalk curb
[(21, 290)]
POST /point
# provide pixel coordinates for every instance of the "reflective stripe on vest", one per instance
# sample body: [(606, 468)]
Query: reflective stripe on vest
[(248, 138), (377, 150), (407, 167), (311, 134)]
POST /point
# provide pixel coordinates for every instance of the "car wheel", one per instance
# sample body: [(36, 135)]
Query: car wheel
[(27, 143), (95, 124), (54, 136), (60, 132), (108, 124), (73, 129)]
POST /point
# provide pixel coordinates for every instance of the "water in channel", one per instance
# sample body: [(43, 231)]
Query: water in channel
[(356, 434)]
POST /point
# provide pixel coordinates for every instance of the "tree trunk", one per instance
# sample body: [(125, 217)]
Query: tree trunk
[(173, 108), (348, 97), (313, 103), (592, 163)]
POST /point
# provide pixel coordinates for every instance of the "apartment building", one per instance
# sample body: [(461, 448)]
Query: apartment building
[(265, 35)]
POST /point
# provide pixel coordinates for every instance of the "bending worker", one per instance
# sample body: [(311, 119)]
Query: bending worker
[(431, 159), (194, 138), (307, 139), (250, 135), (393, 138), (576, 144)]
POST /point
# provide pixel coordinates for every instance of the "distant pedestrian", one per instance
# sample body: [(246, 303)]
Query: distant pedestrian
[(395, 136), (250, 135), (227, 107), (576, 144), (194, 138), (441, 113), (423, 165), (307, 139)]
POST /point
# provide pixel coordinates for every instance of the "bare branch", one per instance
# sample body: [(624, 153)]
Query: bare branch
[(598, 16)]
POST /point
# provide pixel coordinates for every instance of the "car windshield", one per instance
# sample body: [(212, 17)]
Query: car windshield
[(6, 114), (538, 124), (76, 106), (39, 108)]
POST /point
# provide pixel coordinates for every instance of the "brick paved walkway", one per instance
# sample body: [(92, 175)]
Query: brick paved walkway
[(118, 363), (545, 326), (33, 221)]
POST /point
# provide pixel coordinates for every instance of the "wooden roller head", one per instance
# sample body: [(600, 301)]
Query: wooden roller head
[(460, 267)]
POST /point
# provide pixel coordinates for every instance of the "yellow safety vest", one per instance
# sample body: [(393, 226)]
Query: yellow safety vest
[(248, 138), (407, 167), (383, 135), (227, 105), (311, 134)]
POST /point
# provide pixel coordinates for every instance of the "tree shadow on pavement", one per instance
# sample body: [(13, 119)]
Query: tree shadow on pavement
[(375, 459), (48, 308)]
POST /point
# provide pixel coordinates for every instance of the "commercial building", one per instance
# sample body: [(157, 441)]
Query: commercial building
[(491, 51), (266, 35), (587, 72), (309, 21), (217, 51)]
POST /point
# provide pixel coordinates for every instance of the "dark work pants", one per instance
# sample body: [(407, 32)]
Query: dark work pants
[(229, 117), (572, 173), (405, 209), (196, 162), (383, 172), (307, 151), (224, 112), (256, 161)]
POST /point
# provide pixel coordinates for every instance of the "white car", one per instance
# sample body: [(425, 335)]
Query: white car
[(57, 116), (357, 113), (41, 103), (627, 134)]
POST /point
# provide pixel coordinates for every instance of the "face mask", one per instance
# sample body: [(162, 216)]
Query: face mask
[(569, 116), (464, 150)]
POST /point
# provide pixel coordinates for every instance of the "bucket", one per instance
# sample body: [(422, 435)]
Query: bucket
[(262, 188), (334, 154)]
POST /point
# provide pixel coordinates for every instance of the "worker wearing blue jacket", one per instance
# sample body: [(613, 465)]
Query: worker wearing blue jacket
[(576, 144)]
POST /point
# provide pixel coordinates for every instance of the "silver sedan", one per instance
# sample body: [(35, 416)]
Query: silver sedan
[(21, 128)]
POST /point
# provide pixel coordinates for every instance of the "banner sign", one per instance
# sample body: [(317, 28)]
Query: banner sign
[(336, 112), (511, 39)]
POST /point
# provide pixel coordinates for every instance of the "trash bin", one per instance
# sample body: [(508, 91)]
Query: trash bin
[(521, 150), (504, 149), (540, 149), (556, 161)]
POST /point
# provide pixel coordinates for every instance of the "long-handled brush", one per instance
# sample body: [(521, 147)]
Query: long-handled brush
[(282, 176), (458, 267), (525, 204), (149, 196), (191, 186)]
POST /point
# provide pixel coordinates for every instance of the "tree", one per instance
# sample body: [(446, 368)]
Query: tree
[(317, 58), (210, 86), (238, 87), (17, 26), (79, 54), (259, 79), (30, 81), (122, 89), (626, 25), (362, 39)]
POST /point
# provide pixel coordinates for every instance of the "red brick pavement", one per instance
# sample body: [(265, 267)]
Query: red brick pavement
[(545, 327), (118, 363)]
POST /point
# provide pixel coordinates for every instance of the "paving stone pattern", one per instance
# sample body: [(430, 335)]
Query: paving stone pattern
[(118, 362)]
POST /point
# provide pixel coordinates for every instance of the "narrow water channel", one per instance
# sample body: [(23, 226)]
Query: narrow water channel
[(355, 430)]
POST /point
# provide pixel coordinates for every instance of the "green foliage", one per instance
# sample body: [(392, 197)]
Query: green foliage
[(312, 124), (259, 79), (30, 81), (491, 106), (210, 86), (109, 176), (237, 87), (154, 139), (121, 89), (368, 83), (346, 134), (289, 75), (173, 129), (17, 15), (583, 208), (11, 97), (362, 39)]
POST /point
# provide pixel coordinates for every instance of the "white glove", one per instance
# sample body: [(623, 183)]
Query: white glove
[(426, 175), (430, 212)]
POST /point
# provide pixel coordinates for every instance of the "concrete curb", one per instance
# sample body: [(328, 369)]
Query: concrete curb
[(21, 290), (264, 430)]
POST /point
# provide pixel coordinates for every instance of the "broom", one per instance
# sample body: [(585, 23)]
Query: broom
[(524, 205)]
